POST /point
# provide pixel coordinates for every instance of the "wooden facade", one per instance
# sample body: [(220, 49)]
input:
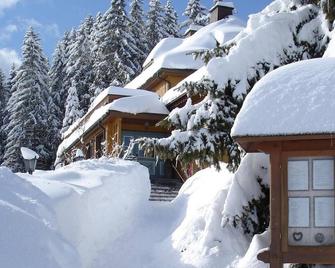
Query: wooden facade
[(165, 79), (281, 149)]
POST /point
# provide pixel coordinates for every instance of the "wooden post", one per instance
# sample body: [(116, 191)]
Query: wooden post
[(276, 259)]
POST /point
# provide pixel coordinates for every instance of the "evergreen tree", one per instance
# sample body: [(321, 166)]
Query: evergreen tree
[(72, 109), (2, 112), (201, 130), (9, 92), (137, 28), (155, 29), (171, 20), (80, 63), (58, 75), (124, 45), (196, 13), (97, 38), (28, 107)]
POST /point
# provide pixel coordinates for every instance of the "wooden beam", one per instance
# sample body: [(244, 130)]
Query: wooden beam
[(276, 259)]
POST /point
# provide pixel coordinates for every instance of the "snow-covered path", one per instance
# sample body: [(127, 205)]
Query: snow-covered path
[(96, 214)]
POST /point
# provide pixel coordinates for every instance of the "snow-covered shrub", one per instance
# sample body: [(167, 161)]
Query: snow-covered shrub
[(255, 216)]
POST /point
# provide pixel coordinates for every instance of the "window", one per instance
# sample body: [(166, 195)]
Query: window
[(311, 202)]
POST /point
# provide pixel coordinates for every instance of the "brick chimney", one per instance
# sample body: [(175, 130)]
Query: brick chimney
[(221, 10)]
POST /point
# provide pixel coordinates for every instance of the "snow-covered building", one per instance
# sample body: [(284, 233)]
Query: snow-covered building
[(116, 117), (172, 60), (289, 116), (119, 115)]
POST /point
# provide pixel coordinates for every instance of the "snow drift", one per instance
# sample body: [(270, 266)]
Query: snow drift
[(194, 230), (63, 218), (29, 230)]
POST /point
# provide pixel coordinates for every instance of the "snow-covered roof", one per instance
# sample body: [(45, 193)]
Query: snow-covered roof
[(175, 53), (132, 105), (293, 100), (117, 91)]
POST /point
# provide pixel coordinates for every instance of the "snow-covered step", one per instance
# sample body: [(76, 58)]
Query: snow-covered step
[(163, 193)]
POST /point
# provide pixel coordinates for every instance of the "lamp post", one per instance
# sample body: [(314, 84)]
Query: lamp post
[(29, 159)]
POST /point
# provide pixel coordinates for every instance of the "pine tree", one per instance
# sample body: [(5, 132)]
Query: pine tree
[(155, 29), (171, 20), (28, 108), (137, 28), (124, 45), (9, 92), (3, 103), (201, 130), (196, 13), (58, 75), (80, 63), (97, 38), (72, 109)]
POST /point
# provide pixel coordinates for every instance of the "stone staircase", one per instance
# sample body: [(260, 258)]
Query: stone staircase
[(163, 192)]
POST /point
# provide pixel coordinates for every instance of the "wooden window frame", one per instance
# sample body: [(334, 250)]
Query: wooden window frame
[(293, 254)]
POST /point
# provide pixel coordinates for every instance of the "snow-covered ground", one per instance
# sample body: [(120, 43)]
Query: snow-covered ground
[(96, 213)]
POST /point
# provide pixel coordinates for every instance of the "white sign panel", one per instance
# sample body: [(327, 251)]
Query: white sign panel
[(323, 174), (324, 211), (298, 212), (297, 175)]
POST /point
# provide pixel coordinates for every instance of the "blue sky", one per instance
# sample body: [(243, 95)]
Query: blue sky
[(52, 17)]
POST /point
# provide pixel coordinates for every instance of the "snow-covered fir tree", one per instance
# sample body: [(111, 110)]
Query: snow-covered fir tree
[(137, 28), (154, 28), (28, 114), (2, 111), (171, 20), (72, 109), (58, 75), (97, 38), (80, 63), (196, 14), (123, 48), (9, 91), (201, 131)]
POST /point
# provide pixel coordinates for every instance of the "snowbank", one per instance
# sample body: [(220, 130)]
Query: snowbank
[(30, 236), (94, 201), (96, 213), (175, 53), (292, 100), (193, 231)]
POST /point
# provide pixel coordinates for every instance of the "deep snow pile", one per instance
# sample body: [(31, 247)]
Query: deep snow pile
[(100, 209), (93, 203), (193, 230), (29, 230)]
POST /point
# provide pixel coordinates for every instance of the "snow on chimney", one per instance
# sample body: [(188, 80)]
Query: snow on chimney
[(221, 10)]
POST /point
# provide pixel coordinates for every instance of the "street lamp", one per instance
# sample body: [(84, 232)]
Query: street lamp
[(29, 159)]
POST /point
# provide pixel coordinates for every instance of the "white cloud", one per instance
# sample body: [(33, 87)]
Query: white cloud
[(49, 29), (7, 4), (7, 31), (8, 57)]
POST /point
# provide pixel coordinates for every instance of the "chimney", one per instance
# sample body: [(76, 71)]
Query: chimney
[(221, 10)]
